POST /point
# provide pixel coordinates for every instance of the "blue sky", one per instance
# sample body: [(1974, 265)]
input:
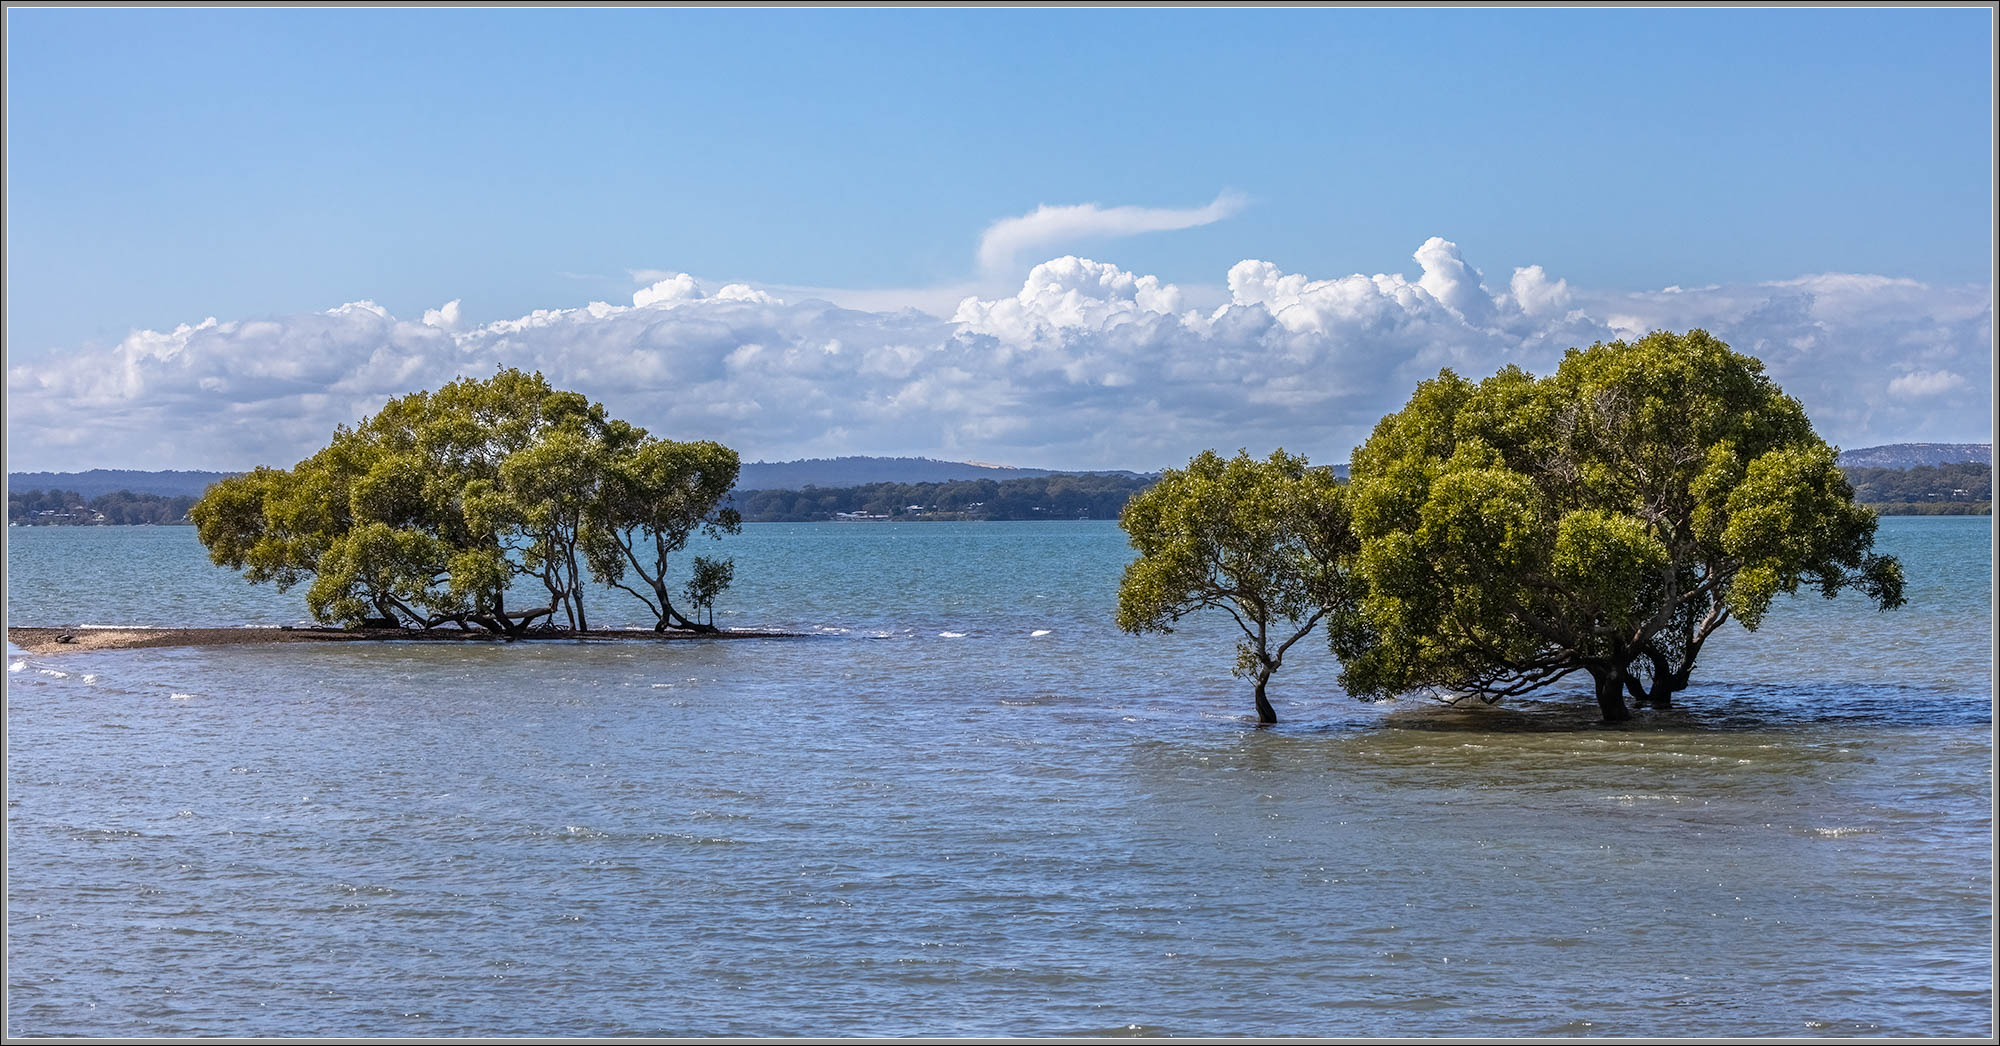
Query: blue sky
[(169, 166)]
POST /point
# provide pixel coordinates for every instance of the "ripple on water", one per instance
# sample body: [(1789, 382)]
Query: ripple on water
[(902, 837)]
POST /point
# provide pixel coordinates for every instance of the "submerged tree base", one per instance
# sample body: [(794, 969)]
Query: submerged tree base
[(57, 640), (1555, 715)]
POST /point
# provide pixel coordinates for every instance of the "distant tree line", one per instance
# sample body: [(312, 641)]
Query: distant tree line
[(1933, 508), (1927, 490), (1940, 490), (70, 508), (1072, 496), (856, 471)]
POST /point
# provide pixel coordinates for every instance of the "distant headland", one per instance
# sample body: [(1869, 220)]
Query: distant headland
[(1896, 479)]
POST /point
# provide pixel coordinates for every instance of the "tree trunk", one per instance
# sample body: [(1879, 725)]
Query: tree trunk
[(671, 618), (1659, 695), (576, 589), (1675, 682), (1665, 682), (1266, 715), (1611, 695)]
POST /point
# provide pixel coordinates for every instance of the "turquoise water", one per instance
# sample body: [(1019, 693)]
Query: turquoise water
[(966, 805)]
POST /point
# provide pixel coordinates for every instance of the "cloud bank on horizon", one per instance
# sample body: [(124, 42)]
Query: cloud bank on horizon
[(1087, 366)]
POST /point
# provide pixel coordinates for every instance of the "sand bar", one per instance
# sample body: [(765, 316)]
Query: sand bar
[(57, 640)]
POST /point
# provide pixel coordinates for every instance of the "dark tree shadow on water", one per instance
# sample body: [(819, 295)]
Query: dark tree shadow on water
[(1720, 707), (1531, 717)]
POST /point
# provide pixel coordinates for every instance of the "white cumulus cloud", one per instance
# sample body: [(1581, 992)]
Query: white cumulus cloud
[(1086, 365), (671, 290), (1922, 383), (1537, 295), (1452, 281), (444, 317)]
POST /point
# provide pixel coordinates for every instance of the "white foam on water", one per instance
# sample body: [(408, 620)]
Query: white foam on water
[(53, 672), (1040, 632), (17, 666), (951, 635), (180, 697), (1836, 833)]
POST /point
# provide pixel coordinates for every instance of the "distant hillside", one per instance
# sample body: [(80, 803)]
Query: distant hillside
[(1061, 496), (1963, 489), (864, 471), (861, 471), (67, 508), (98, 482), (756, 475), (1911, 455)]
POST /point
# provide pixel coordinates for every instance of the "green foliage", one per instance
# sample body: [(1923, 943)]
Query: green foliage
[(429, 511), (1606, 519), (707, 581), (1264, 541), (656, 496)]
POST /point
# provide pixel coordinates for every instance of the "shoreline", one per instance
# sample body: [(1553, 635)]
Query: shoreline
[(56, 640)]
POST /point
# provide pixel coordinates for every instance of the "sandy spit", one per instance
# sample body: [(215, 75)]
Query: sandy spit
[(57, 640)]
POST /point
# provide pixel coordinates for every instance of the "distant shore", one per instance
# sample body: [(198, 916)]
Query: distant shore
[(56, 640)]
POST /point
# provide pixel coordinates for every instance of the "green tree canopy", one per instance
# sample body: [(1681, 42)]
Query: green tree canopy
[(429, 511), (654, 498), (1267, 542), (707, 581), (1607, 519)]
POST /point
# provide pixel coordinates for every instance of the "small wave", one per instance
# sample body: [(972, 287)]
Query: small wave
[(1040, 632), (178, 696), (1837, 833), (56, 673), (951, 635), (1634, 797), (1038, 700), (18, 666)]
